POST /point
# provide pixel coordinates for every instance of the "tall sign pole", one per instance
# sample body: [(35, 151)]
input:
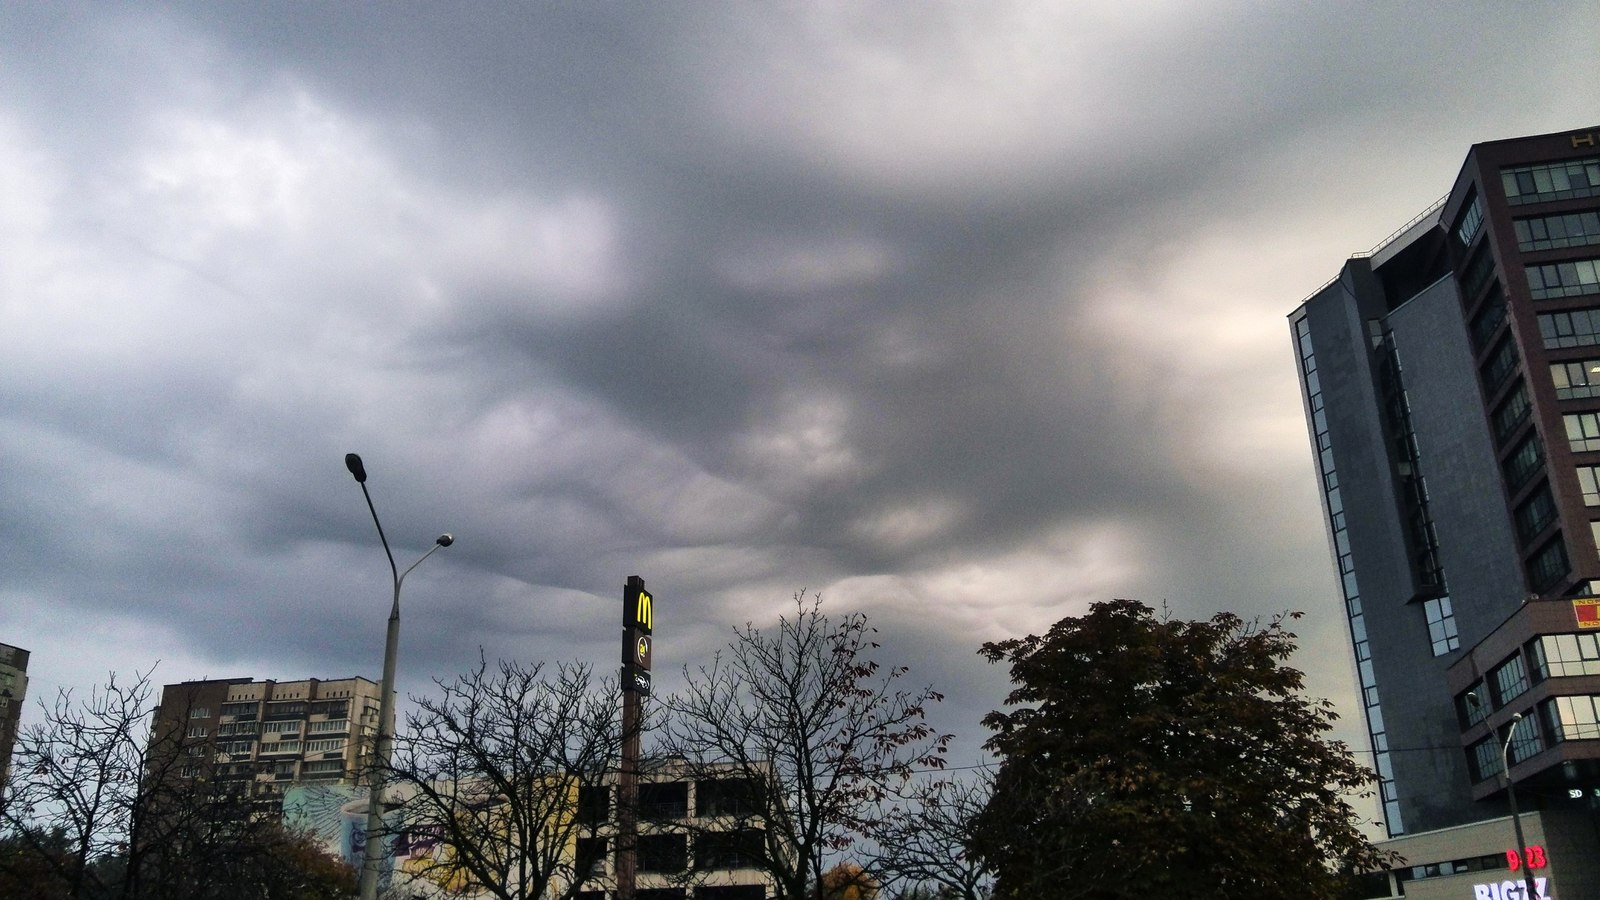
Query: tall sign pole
[(638, 629)]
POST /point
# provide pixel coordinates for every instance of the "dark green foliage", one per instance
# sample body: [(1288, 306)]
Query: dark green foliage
[(1145, 756)]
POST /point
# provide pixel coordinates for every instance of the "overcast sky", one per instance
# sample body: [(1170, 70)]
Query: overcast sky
[(964, 314)]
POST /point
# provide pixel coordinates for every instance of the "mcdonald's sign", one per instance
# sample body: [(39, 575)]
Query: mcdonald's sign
[(638, 607)]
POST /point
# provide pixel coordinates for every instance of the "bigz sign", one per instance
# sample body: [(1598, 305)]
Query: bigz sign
[(1511, 890)]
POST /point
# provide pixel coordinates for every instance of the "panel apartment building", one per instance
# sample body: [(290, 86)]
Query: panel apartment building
[(261, 736), (13, 694), (1451, 380)]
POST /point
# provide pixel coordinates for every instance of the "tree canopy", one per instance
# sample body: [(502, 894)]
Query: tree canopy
[(1149, 756), (811, 729)]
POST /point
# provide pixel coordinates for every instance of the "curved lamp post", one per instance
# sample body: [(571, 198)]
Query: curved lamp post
[(385, 738), (1516, 817)]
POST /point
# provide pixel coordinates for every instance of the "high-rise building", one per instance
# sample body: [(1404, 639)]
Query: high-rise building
[(1451, 380), (13, 692), (257, 737)]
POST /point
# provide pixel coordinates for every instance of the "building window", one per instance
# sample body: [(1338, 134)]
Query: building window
[(1589, 481), (1536, 513), (239, 709), (1552, 181), (200, 712), (1523, 462), (743, 849), (1477, 274), (1484, 759), (727, 797), (1549, 565), (594, 804), (197, 731), (286, 710), (1564, 655), (664, 800), (1471, 713), (1501, 363), (663, 852), (1583, 430), (1577, 328), (1471, 221), (731, 892), (1564, 279), (1487, 319), (1508, 680), (590, 860), (333, 726), (1441, 625), (1576, 380), (281, 728), (1512, 412), (1578, 229), (323, 746), (281, 747), (1527, 740), (1573, 718), (324, 767), (340, 708), (1388, 793)]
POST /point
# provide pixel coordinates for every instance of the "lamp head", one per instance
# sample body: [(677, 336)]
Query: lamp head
[(352, 462), (1515, 718), (1472, 700), (444, 540)]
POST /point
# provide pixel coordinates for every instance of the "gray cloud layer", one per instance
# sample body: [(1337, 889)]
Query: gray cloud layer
[(965, 314)]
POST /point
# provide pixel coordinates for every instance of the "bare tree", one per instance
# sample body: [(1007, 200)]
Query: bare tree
[(111, 803), (794, 736), (80, 774), (505, 775), (922, 837)]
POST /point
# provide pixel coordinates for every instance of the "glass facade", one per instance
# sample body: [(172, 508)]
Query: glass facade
[(1579, 229), (1564, 655), (1441, 625), (1572, 718), (1577, 380), (1583, 430), (1512, 412), (1575, 328), (1589, 482), (1549, 565), (1564, 279), (1388, 793), (1552, 181), (1471, 221), (1508, 680), (1536, 513)]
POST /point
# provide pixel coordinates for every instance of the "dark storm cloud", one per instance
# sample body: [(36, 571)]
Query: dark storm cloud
[(964, 314)]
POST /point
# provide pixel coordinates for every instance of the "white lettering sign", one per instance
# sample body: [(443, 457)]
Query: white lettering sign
[(1510, 890)]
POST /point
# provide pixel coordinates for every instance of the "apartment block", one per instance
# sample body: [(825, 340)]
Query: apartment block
[(13, 694), (258, 737)]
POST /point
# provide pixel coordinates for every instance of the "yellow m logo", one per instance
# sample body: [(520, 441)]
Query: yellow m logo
[(645, 614)]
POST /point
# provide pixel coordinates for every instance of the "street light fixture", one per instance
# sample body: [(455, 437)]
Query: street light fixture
[(1511, 798), (1516, 817), (383, 743)]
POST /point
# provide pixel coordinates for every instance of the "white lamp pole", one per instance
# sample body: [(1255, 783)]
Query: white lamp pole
[(382, 744)]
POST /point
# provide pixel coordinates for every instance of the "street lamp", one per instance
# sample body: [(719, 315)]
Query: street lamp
[(382, 744), (1516, 817)]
